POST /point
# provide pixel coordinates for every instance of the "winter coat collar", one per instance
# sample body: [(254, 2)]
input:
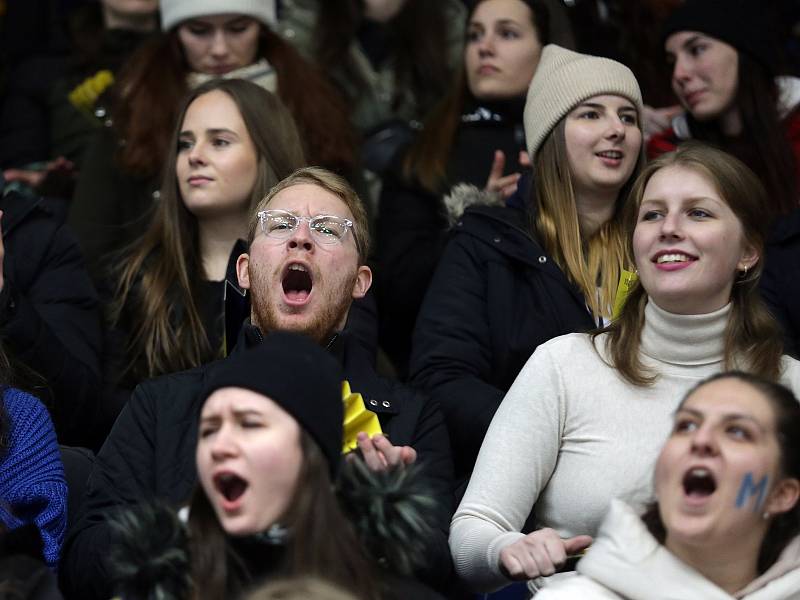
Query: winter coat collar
[(788, 100), (236, 302), (378, 394), (627, 559), (502, 111), (505, 228), (16, 208)]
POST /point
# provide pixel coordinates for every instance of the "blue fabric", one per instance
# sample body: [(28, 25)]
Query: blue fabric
[(33, 488), (520, 198)]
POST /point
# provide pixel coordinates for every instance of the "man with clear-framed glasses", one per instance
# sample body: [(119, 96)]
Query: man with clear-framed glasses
[(308, 244)]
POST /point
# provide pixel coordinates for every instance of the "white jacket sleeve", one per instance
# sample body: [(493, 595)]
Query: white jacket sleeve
[(515, 462)]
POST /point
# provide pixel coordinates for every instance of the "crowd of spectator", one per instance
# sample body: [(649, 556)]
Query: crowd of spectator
[(390, 299)]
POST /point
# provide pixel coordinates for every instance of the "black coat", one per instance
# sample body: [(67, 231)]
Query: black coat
[(49, 314), (150, 454), (494, 298), (780, 282), (111, 209), (412, 226)]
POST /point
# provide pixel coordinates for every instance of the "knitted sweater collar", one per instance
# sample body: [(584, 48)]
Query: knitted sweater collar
[(688, 340), (260, 73)]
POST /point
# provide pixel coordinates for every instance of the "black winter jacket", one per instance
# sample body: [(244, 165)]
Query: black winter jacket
[(494, 298), (780, 282), (412, 227), (150, 454), (110, 209), (49, 314)]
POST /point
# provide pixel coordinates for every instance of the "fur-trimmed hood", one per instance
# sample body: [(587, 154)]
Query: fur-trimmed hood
[(391, 512), (464, 195)]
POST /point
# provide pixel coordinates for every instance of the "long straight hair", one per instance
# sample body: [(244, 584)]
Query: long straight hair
[(763, 145), (426, 161), (417, 41), (321, 541), (147, 96), (594, 263), (161, 273), (753, 341)]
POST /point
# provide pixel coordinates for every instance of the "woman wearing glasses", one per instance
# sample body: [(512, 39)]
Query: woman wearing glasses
[(234, 141)]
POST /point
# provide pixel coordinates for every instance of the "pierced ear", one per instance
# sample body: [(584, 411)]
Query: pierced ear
[(243, 271), (363, 282), (749, 258), (784, 497)]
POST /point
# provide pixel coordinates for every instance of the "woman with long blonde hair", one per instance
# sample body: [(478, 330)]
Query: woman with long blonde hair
[(513, 278), (588, 412)]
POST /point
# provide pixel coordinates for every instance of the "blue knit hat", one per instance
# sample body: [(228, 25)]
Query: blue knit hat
[(32, 484)]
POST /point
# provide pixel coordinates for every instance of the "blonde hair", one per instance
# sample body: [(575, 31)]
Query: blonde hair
[(329, 182), (752, 337), (593, 263)]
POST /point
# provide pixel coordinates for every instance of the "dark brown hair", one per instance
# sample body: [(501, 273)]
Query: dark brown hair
[(763, 144), (162, 271), (426, 161), (321, 541), (752, 337), (418, 35), (149, 89), (786, 409)]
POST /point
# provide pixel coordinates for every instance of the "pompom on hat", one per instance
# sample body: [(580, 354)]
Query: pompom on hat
[(563, 80), (174, 12), (297, 374)]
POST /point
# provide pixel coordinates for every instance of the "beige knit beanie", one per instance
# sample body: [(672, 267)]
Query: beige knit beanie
[(563, 80), (174, 12)]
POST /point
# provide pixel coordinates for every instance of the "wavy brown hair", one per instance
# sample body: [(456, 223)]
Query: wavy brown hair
[(426, 161), (149, 89), (592, 263), (158, 281), (752, 337), (321, 541)]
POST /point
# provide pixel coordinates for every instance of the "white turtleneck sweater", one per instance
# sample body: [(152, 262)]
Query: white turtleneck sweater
[(571, 435)]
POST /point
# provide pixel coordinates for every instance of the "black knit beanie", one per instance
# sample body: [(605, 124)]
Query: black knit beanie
[(297, 374), (744, 24)]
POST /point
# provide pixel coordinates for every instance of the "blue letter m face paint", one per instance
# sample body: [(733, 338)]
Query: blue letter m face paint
[(749, 488)]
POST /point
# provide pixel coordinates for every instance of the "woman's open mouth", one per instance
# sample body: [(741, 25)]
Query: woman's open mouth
[(699, 485), (231, 487)]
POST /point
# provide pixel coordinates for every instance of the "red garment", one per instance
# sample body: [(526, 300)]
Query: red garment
[(661, 143), (667, 140)]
